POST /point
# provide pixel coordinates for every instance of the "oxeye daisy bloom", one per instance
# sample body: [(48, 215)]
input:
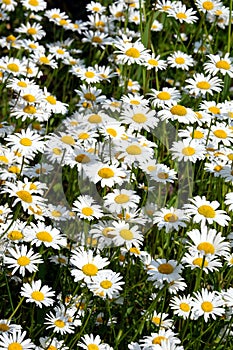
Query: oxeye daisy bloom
[(51, 103), (182, 14), (34, 30), (89, 75), (113, 130), (208, 242), (180, 60), (178, 112), (207, 304), (217, 64), (170, 219), (91, 342), (161, 270), (47, 235), (154, 62), (85, 264), (187, 150), (134, 152), (134, 100), (34, 5), (8, 5), (160, 320), (162, 338), (86, 208), (156, 26), (181, 305), (138, 118), (130, 53), (7, 327), (108, 175), (54, 343), (44, 60), (191, 133), (16, 340), (106, 284), (196, 260), (162, 173), (13, 66), (22, 259), (164, 5), (121, 199), (208, 5), (60, 322), (38, 294), (21, 84), (167, 97), (203, 211), (202, 84), (221, 133), (125, 234)]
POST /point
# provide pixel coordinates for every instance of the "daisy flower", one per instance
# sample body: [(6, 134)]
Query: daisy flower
[(108, 175), (207, 304), (51, 103), (182, 14), (89, 75), (35, 293), (221, 133), (196, 260), (22, 259), (206, 6), (54, 343), (38, 5), (34, 30), (208, 242), (163, 174), (170, 219), (217, 64), (121, 199), (40, 233), (8, 5), (91, 342), (160, 320), (85, 264), (156, 26), (162, 270), (181, 305), (201, 84), (191, 133), (138, 118), (180, 60), (60, 322), (86, 208), (113, 130), (187, 150), (167, 97), (178, 112), (204, 211), (134, 100), (125, 234), (130, 53), (132, 152), (154, 62), (44, 60), (16, 340), (7, 327), (106, 284), (162, 337)]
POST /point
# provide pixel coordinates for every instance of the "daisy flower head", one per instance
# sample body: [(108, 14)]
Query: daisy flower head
[(7, 327), (85, 264), (134, 100), (132, 152), (187, 150), (167, 97), (208, 242), (92, 342), (35, 6), (203, 211), (125, 234), (181, 305), (47, 235), (180, 60), (217, 64), (156, 26), (160, 340), (206, 6), (86, 208), (121, 199), (162, 173), (34, 30), (130, 53), (38, 294), (13, 66), (138, 118), (106, 284), (182, 14), (161, 270), (201, 84), (191, 133), (221, 133), (207, 304), (170, 219), (21, 259), (16, 340), (196, 260), (178, 112), (59, 322), (154, 62), (89, 75), (107, 175), (160, 320)]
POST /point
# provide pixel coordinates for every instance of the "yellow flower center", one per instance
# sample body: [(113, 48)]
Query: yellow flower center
[(207, 247), (32, 46), (197, 134), (92, 347), (106, 231), (166, 268), (15, 235), (184, 307), (14, 169), (132, 52), (63, 22), (56, 213), (37, 295), (207, 306), (199, 262), (33, 2), (51, 347), (4, 327), (135, 250), (4, 159), (217, 168), (153, 62), (221, 134), (44, 236), (208, 5), (29, 98), (89, 96), (170, 217), (162, 175), (156, 320), (10, 38), (25, 196), (178, 110), (14, 346), (139, 118), (179, 60), (31, 31), (60, 51), (133, 150), (44, 60), (29, 109), (95, 119), (23, 261), (59, 323), (164, 95), (90, 269), (25, 142), (127, 235), (13, 67), (106, 284), (158, 339), (96, 39), (6, 2), (203, 85), (57, 151), (68, 140), (207, 211), (22, 84), (111, 132), (89, 74), (83, 135), (82, 158), (99, 24), (87, 211), (121, 198), (188, 151), (151, 168), (106, 173), (51, 99), (181, 15), (214, 110)]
